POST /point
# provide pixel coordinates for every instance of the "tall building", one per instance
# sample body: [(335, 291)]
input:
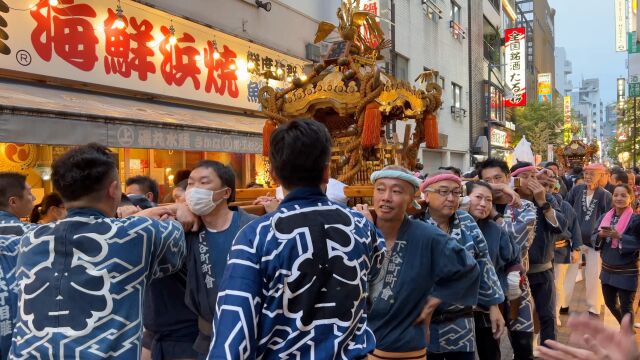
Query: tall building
[(492, 131), (609, 129), (563, 70), (586, 101), (432, 35), (538, 18)]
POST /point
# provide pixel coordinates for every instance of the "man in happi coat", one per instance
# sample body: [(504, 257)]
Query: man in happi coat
[(81, 280), (518, 218), (550, 225), (297, 280), (590, 201), (422, 269), (452, 326), (16, 201)]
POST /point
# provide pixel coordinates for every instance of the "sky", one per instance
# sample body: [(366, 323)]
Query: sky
[(585, 28)]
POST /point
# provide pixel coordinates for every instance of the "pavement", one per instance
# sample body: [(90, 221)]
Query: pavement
[(578, 304)]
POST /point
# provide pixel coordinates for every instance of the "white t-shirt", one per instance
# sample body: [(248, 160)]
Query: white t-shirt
[(335, 192)]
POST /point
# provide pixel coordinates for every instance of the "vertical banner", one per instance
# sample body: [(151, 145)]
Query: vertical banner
[(515, 57), (567, 120), (621, 25), (545, 90)]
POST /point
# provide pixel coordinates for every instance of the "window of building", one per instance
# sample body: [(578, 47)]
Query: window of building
[(456, 95), (456, 13), (401, 68), (492, 41)]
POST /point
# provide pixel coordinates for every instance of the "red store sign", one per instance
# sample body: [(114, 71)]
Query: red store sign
[(143, 49)]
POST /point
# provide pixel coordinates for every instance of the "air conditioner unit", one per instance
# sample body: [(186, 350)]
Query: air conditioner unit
[(313, 52)]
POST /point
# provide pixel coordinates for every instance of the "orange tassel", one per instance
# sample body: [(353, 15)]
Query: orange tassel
[(268, 129), (372, 125), (431, 135)]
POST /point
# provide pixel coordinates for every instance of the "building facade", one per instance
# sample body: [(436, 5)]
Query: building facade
[(563, 71), (491, 130), (169, 87), (587, 103), (538, 18)]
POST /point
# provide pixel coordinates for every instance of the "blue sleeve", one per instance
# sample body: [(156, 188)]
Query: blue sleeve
[(509, 252), (596, 229), (456, 274), (576, 233), (630, 240), (490, 292), (571, 196), (239, 300), (168, 245), (8, 292)]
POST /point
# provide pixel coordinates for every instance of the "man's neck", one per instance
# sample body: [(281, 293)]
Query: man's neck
[(85, 204), (389, 229), (441, 219), (8, 211), (219, 219), (591, 190)]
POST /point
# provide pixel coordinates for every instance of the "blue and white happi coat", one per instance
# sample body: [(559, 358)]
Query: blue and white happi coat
[(81, 283), (296, 284), (520, 223), (458, 335), (11, 228)]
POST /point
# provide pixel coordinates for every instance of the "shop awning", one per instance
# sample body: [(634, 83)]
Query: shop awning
[(41, 114)]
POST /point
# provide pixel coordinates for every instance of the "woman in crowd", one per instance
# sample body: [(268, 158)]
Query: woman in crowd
[(51, 209), (618, 239), (505, 256)]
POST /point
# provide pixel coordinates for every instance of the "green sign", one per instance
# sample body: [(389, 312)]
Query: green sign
[(634, 89), (632, 43)]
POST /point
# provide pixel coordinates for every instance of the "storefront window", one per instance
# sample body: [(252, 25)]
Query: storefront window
[(35, 162), (494, 104)]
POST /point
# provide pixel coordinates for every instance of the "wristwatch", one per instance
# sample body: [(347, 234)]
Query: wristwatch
[(546, 206), (498, 216)]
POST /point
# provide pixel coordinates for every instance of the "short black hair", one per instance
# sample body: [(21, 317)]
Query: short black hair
[(224, 172), (552, 163), (11, 185), (299, 152), (576, 170), (453, 169), (520, 165), (181, 175), (493, 163), (621, 176), (84, 171), (146, 185), (47, 203), (125, 201)]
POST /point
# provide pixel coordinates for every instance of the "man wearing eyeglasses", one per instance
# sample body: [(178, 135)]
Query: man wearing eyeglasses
[(452, 326)]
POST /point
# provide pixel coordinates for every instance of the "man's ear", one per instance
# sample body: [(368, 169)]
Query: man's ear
[(113, 189)]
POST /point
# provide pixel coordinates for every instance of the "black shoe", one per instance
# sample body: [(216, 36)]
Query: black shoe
[(564, 310)]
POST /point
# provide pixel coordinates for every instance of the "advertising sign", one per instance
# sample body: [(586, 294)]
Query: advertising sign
[(515, 57), (545, 89), (139, 49), (621, 25), (567, 120), (500, 138)]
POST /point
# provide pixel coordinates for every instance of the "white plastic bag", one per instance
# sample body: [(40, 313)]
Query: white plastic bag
[(522, 151)]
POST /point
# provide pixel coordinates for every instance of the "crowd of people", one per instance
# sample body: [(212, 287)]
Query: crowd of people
[(99, 273)]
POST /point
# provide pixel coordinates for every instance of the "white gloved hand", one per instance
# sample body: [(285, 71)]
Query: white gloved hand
[(513, 285)]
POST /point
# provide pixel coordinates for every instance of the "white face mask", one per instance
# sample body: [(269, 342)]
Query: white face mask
[(200, 201)]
